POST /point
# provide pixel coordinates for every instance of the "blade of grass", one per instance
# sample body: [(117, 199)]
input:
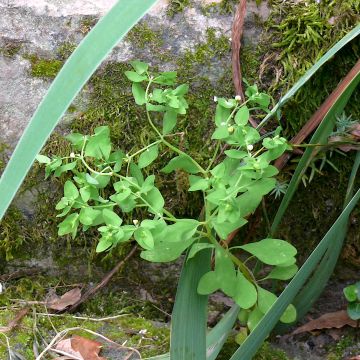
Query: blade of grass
[(320, 137), (189, 316), (73, 76), (249, 348), (308, 295), (340, 44), (318, 116), (216, 336)]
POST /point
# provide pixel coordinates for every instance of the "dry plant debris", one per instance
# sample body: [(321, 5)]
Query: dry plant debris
[(58, 303), (78, 348), (336, 320)]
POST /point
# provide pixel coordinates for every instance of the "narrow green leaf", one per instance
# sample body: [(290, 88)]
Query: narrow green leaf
[(320, 137), (259, 334), (298, 85), (73, 76), (189, 317)]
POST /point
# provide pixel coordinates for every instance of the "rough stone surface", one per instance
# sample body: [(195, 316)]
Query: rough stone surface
[(41, 26)]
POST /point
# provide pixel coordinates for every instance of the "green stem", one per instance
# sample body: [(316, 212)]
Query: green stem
[(145, 148), (178, 151), (214, 156)]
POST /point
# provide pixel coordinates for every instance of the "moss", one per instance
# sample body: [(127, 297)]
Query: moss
[(177, 6), (65, 50), (145, 335), (297, 36), (11, 236), (87, 23), (341, 349), (10, 49), (44, 68), (266, 352), (142, 36)]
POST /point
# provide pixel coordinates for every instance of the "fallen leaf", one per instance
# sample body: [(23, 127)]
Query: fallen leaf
[(14, 322), (336, 320), (65, 346), (357, 357), (61, 303), (79, 348), (89, 349)]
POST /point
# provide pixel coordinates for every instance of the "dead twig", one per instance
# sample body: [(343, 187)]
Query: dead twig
[(15, 322), (88, 294), (19, 274), (319, 115), (236, 35)]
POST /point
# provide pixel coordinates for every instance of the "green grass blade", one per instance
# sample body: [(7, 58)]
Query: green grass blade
[(339, 45), (248, 349), (219, 334), (189, 317), (216, 336), (73, 76), (313, 289), (320, 137)]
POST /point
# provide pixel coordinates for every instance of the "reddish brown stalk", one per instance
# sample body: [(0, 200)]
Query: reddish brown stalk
[(103, 282), (236, 35), (319, 115)]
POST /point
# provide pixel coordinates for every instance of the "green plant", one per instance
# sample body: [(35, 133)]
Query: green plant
[(108, 182), (352, 295)]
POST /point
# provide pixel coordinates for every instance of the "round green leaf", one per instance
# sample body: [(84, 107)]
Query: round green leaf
[(208, 283), (289, 315), (242, 116), (351, 293), (103, 245), (111, 218), (245, 292), (283, 272), (353, 310), (88, 215), (70, 190), (254, 318), (144, 238), (271, 251), (266, 299), (148, 156)]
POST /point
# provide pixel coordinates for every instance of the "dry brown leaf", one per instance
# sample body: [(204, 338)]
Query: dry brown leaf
[(14, 322), (89, 349), (357, 357), (336, 320), (65, 346), (61, 303), (79, 348)]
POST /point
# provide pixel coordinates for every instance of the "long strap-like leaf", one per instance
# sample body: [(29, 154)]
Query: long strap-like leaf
[(308, 295), (262, 330), (320, 137), (216, 337), (339, 45), (189, 317), (73, 76)]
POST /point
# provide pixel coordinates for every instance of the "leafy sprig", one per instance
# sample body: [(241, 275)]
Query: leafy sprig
[(232, 189)]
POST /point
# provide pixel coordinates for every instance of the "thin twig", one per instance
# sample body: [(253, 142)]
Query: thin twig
[(103, 282), (83, 317)]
